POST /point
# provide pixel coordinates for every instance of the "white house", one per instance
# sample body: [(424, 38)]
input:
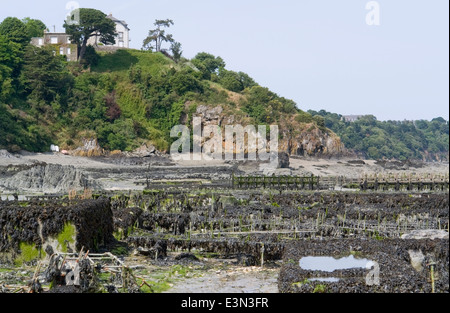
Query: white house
[(122, 38)]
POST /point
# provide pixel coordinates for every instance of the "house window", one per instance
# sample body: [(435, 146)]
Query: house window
[(69, 51), (68, 40), (61, 51), (121, 36), (41, 41), (53, 40)]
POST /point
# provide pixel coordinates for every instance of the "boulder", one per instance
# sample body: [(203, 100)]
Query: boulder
[(283, 160), (417, 259), (90, 148), (144, 151), (426, 234), (6, 155)]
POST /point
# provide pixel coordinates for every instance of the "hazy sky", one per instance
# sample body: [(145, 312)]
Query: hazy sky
[(320, 53)]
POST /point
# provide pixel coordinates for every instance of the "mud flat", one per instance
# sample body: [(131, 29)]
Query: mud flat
[(39, 173), (262, 230), (231, 240), (250, 241), (234, 280)]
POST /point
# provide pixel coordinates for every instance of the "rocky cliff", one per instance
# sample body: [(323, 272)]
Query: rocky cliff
[(300, 139), (311, 140)]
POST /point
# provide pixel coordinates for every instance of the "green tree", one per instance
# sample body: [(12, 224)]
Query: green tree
[(230, 80), (208, 63), (391, 139), (35, 28), (15, 30), (158, 36), (303, 117), (233, 81), (91, 57), (184, 81), (246, 80), (175, 48), (18, 133), (319, 120), (258, 104), (373, 153), (10, 62), (85, 23), (44, 75)]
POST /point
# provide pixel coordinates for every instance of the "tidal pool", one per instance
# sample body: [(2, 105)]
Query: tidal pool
[(11, 198), (325, 279), (330, 264)]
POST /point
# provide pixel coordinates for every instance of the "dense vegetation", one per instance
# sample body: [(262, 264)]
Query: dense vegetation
[(123, 99), (403, 140), (131, 97)]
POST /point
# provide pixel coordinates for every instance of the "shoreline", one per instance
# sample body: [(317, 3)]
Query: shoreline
[(53, 173)]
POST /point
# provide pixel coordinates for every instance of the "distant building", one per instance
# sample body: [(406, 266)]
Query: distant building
[(63, 46), (61, 43), (351, 118), (122, 38)]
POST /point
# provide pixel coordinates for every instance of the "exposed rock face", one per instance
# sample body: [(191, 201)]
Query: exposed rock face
[(144, 151), (312, 141), (90, 148), (295, 138), (210, 114), (49, 178)]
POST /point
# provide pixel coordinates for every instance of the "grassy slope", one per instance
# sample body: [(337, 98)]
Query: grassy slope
[(129, 97), (122, 60), (113, 74), (132, 100)]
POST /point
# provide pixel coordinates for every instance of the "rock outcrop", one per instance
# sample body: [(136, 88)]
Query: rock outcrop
[(300, 139), (311, 140), (144, 151), (49, 178), (90, 148)]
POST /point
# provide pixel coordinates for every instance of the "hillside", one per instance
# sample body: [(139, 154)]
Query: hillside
[(373, 139), (130, 98)]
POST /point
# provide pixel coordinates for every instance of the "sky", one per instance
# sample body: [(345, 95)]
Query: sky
[(323, 54)]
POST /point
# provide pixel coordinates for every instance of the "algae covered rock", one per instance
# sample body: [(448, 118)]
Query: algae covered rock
[(29, 231)]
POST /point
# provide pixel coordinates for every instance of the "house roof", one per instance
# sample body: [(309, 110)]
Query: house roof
[(55, 34), (115, 20)]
